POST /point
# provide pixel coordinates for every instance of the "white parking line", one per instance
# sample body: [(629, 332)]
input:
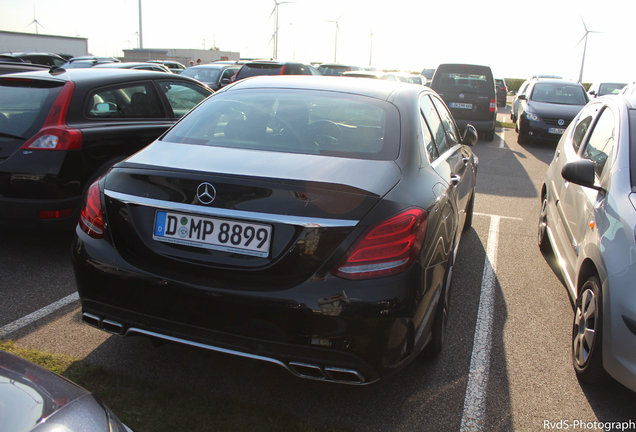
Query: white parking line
[(475, 400), (38, 314)]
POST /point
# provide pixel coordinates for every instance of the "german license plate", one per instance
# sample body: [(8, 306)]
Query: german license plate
[(556, 131), (461, 105), (213, 233)]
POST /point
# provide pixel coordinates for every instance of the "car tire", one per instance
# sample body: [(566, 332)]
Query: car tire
[(440, 321), (490, 135), (587, 334), (469, 212), (542, 235)]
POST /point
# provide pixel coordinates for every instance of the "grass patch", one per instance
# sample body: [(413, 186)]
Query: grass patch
[(158, 407), (505, 125)]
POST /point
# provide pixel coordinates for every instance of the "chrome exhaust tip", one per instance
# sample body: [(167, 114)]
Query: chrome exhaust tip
[(112, 327), (332, 374), (91, 320)]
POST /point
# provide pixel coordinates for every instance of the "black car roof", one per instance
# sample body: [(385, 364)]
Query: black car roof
[(105, 75), (380, 89)]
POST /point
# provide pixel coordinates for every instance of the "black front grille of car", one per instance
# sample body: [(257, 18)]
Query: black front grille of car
[(555, 122)]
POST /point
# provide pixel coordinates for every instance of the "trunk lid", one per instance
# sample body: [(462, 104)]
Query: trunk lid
[(304, 206)]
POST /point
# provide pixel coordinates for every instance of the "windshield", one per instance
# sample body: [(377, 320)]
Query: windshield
[(610, 88), (203, 74), (24, 107), (307, 122), (564, 94)]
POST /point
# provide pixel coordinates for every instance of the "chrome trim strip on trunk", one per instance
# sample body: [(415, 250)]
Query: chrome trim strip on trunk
[(236, 214)]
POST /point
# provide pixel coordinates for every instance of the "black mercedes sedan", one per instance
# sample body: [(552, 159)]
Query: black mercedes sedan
[(62, 129), (547, 108), (34, 399), (304, 221)]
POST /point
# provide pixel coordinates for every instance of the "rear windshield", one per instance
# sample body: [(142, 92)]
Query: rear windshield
[(203, 74), (464, 78), (259, 69), (334, 70), (564, 94), (24, 105), (299, 121)]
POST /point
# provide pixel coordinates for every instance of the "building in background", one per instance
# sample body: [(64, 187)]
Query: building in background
[(30, 42), (181, 55)]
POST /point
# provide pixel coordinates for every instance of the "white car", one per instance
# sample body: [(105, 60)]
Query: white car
[(588, 216)]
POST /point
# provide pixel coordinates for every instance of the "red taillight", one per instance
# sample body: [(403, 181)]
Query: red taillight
[(493, 105), (282, 71), (386, 248), (55, 214), (55, 134), (92, 219)]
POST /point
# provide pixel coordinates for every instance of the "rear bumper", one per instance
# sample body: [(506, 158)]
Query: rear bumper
[(353, 332), (23, 214)]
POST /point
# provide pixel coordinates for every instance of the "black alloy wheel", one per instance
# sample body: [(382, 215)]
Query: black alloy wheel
[(587, 334)]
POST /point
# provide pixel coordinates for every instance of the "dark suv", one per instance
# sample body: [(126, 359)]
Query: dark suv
[(60, 130), (502, 92), (265, 67), (469, 92)]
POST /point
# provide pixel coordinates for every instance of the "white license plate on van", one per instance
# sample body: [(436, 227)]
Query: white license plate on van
[(461, 105), (226, 235)]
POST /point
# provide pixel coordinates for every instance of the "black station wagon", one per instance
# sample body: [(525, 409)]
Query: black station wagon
[(60, 130)]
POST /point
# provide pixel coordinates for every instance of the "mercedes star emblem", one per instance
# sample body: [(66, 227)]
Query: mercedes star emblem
[(206, 193)]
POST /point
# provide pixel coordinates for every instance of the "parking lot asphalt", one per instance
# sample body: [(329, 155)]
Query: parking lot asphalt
[(529, 381)]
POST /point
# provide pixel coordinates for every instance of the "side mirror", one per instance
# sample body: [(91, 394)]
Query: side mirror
[(469, 137), (522, 97), (580, 172), (593, 92), (225, 81)]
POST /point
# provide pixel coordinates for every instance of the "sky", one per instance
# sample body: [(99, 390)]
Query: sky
[(515, 38)]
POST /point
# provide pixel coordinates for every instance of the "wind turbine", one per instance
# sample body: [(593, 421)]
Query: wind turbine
[(371, 46), (584, 47), (276, 26), (335, 51), (35, 21)]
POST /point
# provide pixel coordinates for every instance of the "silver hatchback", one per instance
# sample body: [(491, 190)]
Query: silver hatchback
[(588, 216)]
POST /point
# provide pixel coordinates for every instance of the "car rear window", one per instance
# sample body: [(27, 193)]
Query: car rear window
[(565, 94), (259, 69), (335, 70), (25, 104), (464, 78), (302, 121), (203, 74)]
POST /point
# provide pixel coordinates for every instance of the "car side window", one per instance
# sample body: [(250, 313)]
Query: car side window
[(132, 101), (182, 97), (434, 123), (582, 125), (452, 134), (431, 151), (602, 141)]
